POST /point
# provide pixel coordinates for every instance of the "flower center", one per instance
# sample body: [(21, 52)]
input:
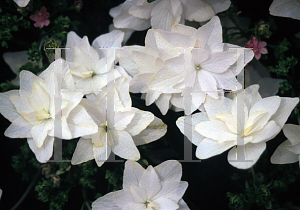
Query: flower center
[(198, 67), (42, 115), (88, 74), (150, 204)]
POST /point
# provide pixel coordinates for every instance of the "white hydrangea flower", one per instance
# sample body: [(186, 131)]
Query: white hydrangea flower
[(162, 14), (32, 110), (220, 128), (89, 64), (286, 8), (289, 150), (119, 129), (22, 3), (160, 69), (157, 188)]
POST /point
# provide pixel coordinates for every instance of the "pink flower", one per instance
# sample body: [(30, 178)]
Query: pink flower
[(258, 47), (41, 18)]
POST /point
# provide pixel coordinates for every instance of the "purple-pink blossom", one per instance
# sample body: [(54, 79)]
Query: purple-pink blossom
[(41, 18), (258, 47)]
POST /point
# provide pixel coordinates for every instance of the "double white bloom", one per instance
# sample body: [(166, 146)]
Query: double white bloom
[(220, 127), (162, 14), (184, 58), (90, 65), (120, 126), (32, 109), (157, 188)]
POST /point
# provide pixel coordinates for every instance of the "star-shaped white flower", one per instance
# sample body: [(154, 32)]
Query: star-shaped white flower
[(120, 127), (286, 8), (90, 65), (221, 128), (32, 109), (157, 188), (289, 150), (162, 14), (183, 58)]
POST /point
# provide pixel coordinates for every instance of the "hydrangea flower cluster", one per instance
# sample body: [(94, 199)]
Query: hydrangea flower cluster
[(154, 188)]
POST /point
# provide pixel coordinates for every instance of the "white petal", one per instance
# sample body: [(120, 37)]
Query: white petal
[(165, 14), (217, 130), (122, 87), (163, 103), (187, 127), (165, 49), (142, 11), (72, 99), (292, 132), (124, 146), (154, 131), (7, 108), (284, 110), (150, 182), (252, 153), (83, 152), (197, 10), (125, 20), (151, 97), (283, 156), (208, 148), (164, 80), (26, 81), (290, 8), (101, 154), (145, 62), (252, 95), (139, 83), (72, 40), (183, 205), (126, 59), (80, 123), (44, 153), (138, 193), (166, 204), (139, 122), (125, 200), (210, 34), (213, 106), (177, 40), (269, 131), (219, 62), (132, 174), (108, 40), (122, 119), (22, 3), (208, 83), (106, 202), (269, 104), (182, 29), (172, 190), (19, 128), (40, 132), (170, 170)]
